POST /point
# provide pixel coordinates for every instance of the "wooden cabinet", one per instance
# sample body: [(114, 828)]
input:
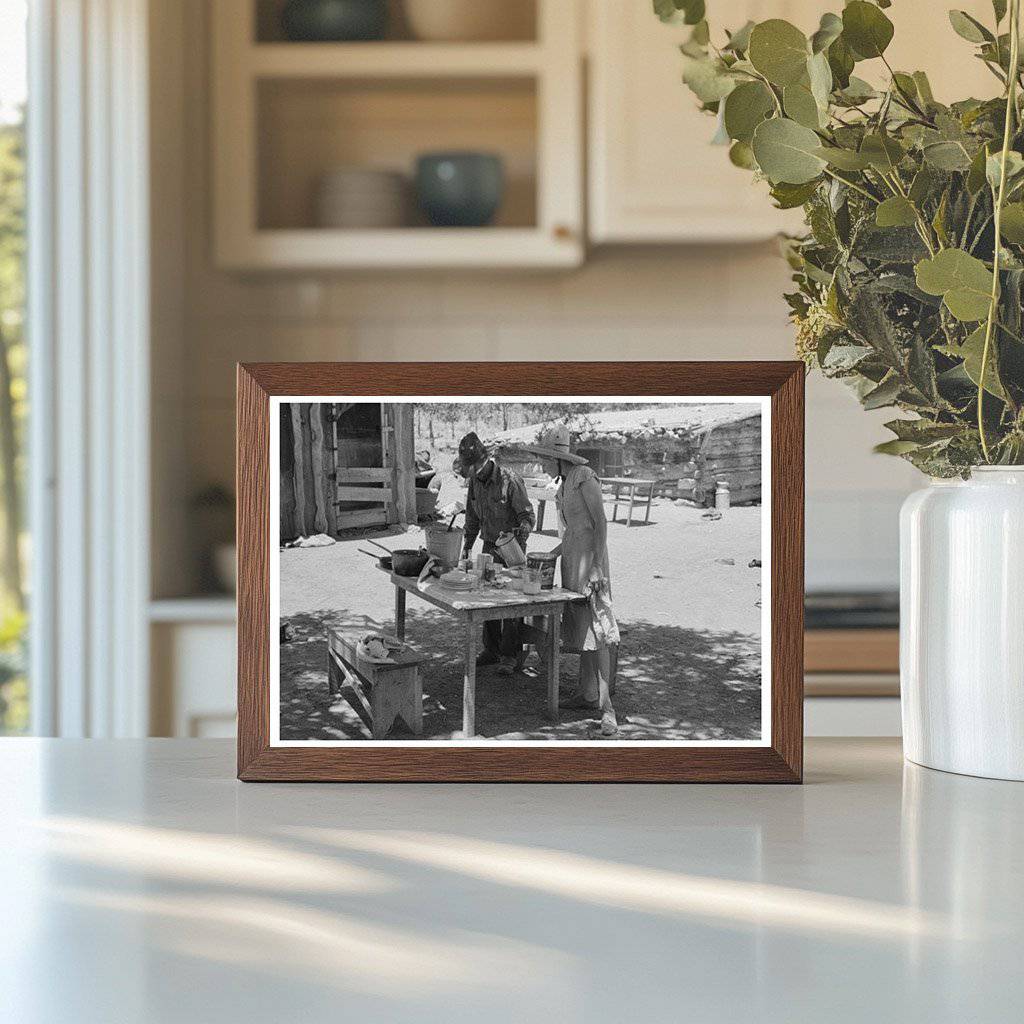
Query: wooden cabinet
[(287, 114), (654, 177)]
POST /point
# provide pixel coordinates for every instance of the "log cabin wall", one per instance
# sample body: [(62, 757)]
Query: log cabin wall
[(731, 452), (307, 499), (346, 466)]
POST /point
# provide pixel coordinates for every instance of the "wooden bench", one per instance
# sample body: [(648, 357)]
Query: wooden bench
[(379, 693)]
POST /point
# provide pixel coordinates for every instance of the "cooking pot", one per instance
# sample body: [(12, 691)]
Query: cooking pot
[(408, 562)]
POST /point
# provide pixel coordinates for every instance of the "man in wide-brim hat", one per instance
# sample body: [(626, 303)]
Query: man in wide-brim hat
[(496, 503)]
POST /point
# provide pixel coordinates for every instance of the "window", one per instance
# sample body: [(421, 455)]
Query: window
[(14, 692)]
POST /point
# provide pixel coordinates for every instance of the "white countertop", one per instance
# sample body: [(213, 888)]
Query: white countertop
[(140, 882)]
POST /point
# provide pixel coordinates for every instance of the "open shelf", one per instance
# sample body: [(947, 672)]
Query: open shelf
[(389, 60), (520, 23), (287, 114), (309, 127)]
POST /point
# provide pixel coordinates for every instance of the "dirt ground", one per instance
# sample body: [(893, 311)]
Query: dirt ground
[(687, 602)]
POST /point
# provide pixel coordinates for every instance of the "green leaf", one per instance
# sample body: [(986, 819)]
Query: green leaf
[(819, 74), (963, 281), (690, 12), (922, 185), (707, 78), (993, 167), (976, 173), (857, 91), (739, 41), (693, 10), (1012, 223), (841, 63), (885, 394), (971, 352), (787, 151), (666, 10), (947, 156), (801, 106), (924, 88), (829, 30), (882, 151), (895, 447), (788, 197), (779, 51), (969, 28), (939, 220), (745, 108), (701, 34), (844, 159), (921, 370), (721, 136), (999, 9), (741, 155), (889, 245), (923, 431), (895, 212), (905, 84), (866, 29)]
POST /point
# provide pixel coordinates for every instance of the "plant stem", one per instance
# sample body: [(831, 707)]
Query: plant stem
[(907, 99), (853, 185), (1011, 108)]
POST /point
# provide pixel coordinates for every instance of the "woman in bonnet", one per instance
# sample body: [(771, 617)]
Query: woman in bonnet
[(588, 628)]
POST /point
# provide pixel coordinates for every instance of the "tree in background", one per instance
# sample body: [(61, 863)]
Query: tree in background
[(13, 408)]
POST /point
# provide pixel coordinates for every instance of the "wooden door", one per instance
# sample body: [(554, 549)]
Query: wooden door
[(375, 482)]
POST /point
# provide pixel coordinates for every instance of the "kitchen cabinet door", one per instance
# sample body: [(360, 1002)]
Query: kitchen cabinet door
[(654, 177)]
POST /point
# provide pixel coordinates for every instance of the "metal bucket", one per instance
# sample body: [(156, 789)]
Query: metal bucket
[(444, 544), (545, 562)]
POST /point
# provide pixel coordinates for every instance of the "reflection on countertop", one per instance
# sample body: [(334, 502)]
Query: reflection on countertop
[(146, 884)]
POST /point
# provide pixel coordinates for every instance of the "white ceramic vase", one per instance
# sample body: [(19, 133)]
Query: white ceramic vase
[(962, 624)]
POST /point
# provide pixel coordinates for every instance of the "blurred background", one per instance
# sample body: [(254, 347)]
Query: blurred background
[(360, 180)]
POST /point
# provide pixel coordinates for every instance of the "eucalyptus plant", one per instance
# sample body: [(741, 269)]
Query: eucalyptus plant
[(910, 277)]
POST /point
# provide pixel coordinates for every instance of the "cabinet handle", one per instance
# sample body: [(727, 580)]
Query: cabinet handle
[(562, 232)]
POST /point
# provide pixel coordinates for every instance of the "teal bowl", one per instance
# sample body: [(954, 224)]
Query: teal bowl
[(334, 21), (460, 190)]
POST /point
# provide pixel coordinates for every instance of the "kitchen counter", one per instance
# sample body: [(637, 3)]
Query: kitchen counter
[(140, 882)]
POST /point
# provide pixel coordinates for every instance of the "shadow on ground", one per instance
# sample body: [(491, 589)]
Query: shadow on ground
[(673, 684)]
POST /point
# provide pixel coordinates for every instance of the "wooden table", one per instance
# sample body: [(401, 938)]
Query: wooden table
[(474, 607), (632, 484)]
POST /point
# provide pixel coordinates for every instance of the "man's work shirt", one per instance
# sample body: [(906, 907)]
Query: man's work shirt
[(496, 504)]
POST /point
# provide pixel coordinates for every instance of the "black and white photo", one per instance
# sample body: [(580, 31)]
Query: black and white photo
[(520, 571)]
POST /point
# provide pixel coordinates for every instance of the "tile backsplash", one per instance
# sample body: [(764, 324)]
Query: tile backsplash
[(709, 303)]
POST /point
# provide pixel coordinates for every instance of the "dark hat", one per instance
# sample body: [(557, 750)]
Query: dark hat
[(471, 450)]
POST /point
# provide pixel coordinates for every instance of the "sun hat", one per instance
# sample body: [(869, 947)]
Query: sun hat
[(554, 444)]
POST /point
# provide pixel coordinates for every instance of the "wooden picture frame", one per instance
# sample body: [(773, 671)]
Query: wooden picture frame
[(779, 759)]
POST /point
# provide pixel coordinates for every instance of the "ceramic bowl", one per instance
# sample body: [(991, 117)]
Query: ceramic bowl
[(362, 198), (470, 20), (460, 189), (333, 21)]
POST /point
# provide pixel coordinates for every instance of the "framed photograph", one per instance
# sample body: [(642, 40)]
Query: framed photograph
[(563, 572)]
